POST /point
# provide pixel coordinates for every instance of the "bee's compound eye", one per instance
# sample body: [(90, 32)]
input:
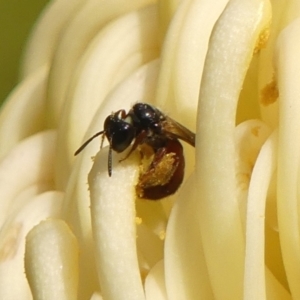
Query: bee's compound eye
[(119, 132), (122, 136)]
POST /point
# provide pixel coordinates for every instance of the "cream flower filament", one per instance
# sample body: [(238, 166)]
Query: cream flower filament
[(104, 56)]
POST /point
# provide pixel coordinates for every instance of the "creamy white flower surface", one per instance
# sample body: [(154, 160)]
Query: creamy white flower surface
[(228, 70)]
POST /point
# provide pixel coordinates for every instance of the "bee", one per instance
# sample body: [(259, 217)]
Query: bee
[(147, 129)]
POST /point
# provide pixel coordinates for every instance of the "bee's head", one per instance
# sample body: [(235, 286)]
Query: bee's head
[(119, 131)]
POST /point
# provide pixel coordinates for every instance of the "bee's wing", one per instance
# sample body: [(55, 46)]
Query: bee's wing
[(174, 129)]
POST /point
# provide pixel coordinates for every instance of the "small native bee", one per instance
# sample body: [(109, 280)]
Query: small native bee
[(146, 126)]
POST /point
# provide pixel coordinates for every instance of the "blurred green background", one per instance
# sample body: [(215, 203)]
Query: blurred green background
[(16, 20)]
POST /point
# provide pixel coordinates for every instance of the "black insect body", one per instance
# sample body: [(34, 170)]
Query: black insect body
[(146, 126)]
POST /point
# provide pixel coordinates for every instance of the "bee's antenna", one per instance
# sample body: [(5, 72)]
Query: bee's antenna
[(102, 140), (87, 142), (109, 161)]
